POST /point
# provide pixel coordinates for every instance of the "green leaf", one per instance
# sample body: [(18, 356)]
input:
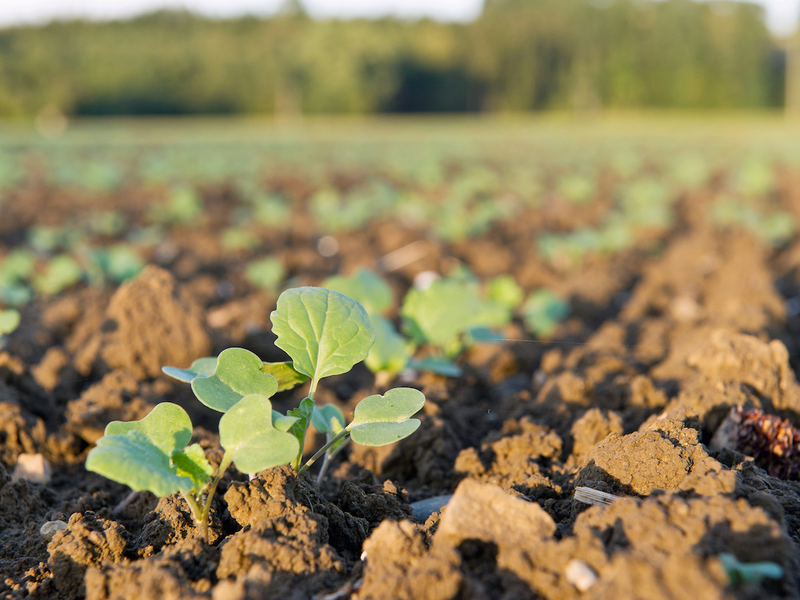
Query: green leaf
[(167, 427), (267, 273), (324, 332), (9, 321), (380, 420), (749, 572), (62, 271), (303, 414), (543, 311), (505, 290), (192, 463), (436, 364), (247, 433), (16, 267), (390, 352), (202, 367), (238, 374), (282, 423), (323, 417), (448, 308), (284, 374), (132, 459), (365, 287)]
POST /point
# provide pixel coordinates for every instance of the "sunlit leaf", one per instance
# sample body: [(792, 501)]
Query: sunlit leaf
[(132, 459), (324, 332), (247, 433), (238, 374), (380, 420), (167, 426)]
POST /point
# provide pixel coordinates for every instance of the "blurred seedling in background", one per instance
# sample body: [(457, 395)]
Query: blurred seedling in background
[(114, 264), (60, 272), (15, 270), (182, 207), (447, 316), (773, 228), (391, 352), (543, 311), (9, 321), (739, 572), (266, 273), (239, 238), (325, 333)]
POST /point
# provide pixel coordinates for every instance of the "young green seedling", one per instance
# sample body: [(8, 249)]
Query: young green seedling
[(444, 313), (543, 311), (391, 352), (325, 333), (153, 454), (739, 572)]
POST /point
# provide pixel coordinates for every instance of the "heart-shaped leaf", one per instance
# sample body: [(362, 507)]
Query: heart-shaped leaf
[(323, 416), (191, 462), (284, 374), (167, 427), (324, 332), (132, 459), (247, 434), (202, 367), (380, 420), (237, 375)]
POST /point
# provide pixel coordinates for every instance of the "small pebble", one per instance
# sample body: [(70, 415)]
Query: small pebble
[(49, 529), (32, 467), (580, 574), (328, 246)]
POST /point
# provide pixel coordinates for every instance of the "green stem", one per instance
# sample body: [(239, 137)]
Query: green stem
[(226, 462), (193, 506), (326, 460), (322, 451)]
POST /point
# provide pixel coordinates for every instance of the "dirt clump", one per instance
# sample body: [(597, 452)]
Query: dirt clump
[(88, 541), (150, 322), (664, 456)]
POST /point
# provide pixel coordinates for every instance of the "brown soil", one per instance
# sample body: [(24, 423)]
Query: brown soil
[(658, 348)]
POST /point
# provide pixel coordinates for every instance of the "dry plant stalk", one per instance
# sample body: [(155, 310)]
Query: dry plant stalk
[(774, 443)]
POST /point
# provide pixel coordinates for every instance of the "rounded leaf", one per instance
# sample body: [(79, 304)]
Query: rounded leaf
[(202, 367), (132, 459), (380, 420), (247, 433), (238, 374), (324, 332), (167, 426)]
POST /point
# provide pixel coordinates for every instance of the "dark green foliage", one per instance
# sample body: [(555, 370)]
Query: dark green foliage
[(519, 55)]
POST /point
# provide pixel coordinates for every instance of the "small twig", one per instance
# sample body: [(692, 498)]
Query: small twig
[(125, 503)]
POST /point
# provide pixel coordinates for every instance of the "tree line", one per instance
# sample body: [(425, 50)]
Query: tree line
[(519, 55)]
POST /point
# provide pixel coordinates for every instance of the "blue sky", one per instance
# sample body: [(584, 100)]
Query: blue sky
[(782, 15)]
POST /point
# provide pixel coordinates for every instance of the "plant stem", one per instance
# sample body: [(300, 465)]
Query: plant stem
[(322, 450), (326, 460), (193, 506), (226, 462)]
